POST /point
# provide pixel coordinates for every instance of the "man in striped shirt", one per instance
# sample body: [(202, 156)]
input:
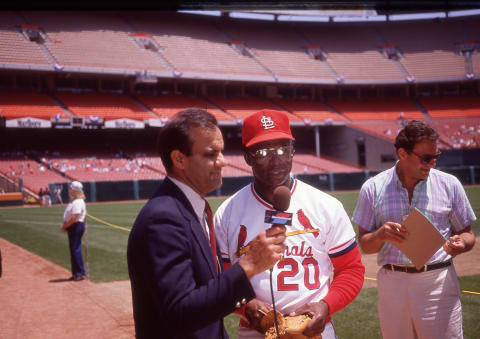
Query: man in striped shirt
[(415, 303)]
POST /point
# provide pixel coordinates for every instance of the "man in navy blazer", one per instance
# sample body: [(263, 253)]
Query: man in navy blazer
[(178, 288)]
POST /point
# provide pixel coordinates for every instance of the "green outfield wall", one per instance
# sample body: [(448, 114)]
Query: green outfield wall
[(143, 189)]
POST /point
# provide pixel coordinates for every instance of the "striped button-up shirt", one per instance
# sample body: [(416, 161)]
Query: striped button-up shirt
[(440, 197)]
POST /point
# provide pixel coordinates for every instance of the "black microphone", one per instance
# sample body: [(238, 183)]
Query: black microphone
[(278, 217), (280, 202)]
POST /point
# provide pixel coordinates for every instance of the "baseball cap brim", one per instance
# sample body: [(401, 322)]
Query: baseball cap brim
[(275, 135)]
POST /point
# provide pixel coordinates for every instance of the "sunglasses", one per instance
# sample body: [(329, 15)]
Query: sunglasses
[(267, 153), (427, 158)]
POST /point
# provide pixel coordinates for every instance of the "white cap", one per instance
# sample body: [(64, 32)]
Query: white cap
[(76, 186)]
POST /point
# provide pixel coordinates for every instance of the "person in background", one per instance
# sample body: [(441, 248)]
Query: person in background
[(301, 280), (178, 287), (58, 194), (41, 198), (74, 225), (415, 303), (47, 197)]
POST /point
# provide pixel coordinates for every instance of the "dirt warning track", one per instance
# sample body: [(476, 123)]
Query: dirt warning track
[(37, 302)]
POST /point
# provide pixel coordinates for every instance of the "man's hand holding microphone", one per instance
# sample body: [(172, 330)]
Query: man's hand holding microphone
[(267, 247), (265, 250)]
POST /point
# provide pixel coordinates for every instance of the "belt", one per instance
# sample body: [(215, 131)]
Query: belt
[(410, 269)]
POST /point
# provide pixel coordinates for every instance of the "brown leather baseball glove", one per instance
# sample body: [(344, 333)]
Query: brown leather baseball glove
[(289, 327)]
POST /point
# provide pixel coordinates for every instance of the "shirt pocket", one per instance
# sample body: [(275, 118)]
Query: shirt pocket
[(439, 216)]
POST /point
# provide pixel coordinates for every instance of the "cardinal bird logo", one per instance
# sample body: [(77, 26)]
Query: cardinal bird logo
[(302, 218), (242, 236)]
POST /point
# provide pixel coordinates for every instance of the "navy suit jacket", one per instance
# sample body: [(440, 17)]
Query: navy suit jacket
[(176, 290)]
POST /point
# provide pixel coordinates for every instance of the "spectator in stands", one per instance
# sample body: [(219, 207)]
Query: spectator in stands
[(415, 303), (269, 150), (63, 168), (178, 288), (74, 225)]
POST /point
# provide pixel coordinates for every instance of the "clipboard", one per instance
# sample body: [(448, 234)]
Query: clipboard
[(423, 239)]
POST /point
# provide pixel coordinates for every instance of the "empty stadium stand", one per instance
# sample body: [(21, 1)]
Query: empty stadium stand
[(240, 107), (355, 57), (280, 50), (97, 40), (237, 164), (15, 48), (166, 105), (195, 48), (107, 106), (24, 103), (309, 110), (312, 164), (387, 130), (376, 109), (428, 50), (451, 106)]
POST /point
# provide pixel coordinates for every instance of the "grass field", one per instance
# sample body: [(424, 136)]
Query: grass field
[(37, 229)]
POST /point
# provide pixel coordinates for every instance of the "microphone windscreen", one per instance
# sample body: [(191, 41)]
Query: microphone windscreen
[(281, 198)]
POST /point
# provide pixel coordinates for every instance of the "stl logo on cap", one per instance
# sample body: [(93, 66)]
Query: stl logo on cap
[(267, 122)]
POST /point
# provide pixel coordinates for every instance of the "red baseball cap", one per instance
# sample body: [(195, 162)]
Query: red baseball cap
[(268, 124)]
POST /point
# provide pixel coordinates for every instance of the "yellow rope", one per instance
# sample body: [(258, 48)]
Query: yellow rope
[(108, 224), (471, 292)]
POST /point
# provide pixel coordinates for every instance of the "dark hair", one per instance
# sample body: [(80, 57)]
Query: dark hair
[(176, 133), (414, 132)]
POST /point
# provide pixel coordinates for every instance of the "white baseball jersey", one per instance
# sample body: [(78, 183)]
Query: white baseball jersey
[(304, 274)]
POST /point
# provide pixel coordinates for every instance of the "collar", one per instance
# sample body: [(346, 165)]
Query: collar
[(397, 180), (396, 177), (198, 203), (268, 204)]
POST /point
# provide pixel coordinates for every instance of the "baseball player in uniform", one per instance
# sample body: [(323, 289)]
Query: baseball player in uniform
[(301, 280)]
